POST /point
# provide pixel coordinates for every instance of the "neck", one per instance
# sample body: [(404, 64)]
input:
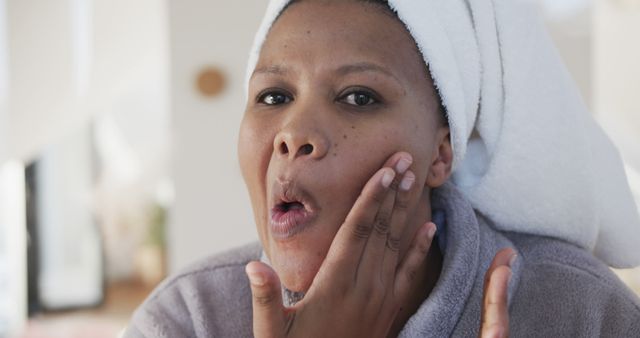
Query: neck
[(426, 278), (423, 283), (421, 286)]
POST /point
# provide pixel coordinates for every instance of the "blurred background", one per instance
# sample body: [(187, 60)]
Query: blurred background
[(118, 132)]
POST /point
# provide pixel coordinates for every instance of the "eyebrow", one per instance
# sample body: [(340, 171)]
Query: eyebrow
[(359, 67), (362, 67), (274, 70)]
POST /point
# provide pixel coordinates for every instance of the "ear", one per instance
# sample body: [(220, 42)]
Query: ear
[(441, 161)]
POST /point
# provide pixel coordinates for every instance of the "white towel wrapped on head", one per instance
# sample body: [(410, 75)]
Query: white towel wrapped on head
[(527, 153)]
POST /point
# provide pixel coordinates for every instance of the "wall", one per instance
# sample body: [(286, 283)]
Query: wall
[(41, 79), (72, 59), (4, 82), (212, 210), (616, 79), (571, 31)]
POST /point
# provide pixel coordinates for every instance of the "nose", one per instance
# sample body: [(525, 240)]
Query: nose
[(296, 142)]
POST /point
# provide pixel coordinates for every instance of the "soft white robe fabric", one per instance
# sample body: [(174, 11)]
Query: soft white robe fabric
[(528, 154)]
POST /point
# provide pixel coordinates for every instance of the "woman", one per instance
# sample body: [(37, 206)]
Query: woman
[(347, 147)]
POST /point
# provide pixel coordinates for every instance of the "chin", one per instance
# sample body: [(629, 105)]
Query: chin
[(297, 270)]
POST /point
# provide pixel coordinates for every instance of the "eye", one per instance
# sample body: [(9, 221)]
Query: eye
[(359, 98), (273, 98)]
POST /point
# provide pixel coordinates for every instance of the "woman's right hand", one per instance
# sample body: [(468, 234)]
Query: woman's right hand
[(363, 282)]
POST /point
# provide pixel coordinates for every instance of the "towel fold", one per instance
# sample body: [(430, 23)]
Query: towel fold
[(527, 153)]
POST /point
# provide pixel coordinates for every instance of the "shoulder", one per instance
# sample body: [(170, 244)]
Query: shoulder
[(218, 265), (570, 291), (212, 273), (209, 298)]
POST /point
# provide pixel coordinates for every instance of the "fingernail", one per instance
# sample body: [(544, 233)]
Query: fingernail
[(432, 231), (256, 279), (387, 178), (407, 181), (512, 260), (403, 164)]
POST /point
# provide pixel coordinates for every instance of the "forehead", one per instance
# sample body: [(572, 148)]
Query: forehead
[(327, 34)]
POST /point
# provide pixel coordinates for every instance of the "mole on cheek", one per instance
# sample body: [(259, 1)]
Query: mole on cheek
[(353, 127), (344, 136)]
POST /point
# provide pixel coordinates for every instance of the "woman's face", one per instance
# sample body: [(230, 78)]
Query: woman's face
[(339, 87)]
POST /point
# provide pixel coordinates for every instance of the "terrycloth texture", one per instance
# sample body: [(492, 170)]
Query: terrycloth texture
[(557, 289), (527, 153), (438, 217)]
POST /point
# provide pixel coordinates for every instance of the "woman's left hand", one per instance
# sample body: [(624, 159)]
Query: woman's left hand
[(495, 308)]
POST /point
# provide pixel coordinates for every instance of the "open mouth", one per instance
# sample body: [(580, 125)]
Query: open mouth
[(292, 212), (289, 206)]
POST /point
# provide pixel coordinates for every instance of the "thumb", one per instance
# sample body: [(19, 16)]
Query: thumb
[(268, 311), (495, 310)]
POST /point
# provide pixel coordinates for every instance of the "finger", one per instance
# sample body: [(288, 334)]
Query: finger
[(268, 312), (495, 312), (373, 253), (347, 247), (413, 261), (504, 257), (379, 240), (398, 225)]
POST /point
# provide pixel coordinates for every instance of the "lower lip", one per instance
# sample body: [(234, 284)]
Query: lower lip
[(286, 224)]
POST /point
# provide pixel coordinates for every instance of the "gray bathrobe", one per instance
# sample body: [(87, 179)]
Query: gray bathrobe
[(557, 289)]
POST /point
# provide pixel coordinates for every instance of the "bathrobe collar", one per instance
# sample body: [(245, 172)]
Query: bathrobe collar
[(471, 244)]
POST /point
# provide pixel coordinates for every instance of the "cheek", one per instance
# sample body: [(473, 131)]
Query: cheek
[(245, 149), (369, 150), (417, 138), (359, 157), (254, 152)]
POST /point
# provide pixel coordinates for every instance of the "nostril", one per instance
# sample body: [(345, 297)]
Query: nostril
[(283, 148), (305, 149)]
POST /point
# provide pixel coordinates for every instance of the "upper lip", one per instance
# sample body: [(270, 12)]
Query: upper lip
[(289, 191)]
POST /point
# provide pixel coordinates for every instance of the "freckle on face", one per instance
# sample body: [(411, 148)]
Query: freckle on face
[(334, 181)]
